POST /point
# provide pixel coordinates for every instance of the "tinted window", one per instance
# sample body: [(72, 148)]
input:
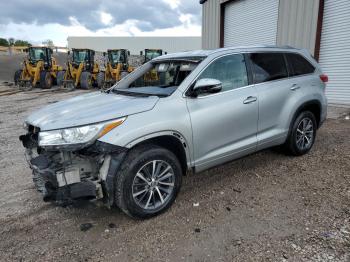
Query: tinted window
[(268, 66), (299, 65), (230, 70)]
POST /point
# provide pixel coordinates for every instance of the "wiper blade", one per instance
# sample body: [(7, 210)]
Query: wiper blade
[(128, 93)]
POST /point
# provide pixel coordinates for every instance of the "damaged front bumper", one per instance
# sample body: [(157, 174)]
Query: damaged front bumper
[(67, 174)]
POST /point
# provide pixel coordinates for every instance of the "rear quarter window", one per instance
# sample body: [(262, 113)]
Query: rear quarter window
[(298, 65), (268, 66)]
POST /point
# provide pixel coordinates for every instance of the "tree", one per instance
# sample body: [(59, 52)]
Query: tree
[(48, 43), (4, 42), (11, 41), (21, 43)]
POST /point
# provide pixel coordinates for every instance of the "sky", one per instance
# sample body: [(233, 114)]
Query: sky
[(39, 20)]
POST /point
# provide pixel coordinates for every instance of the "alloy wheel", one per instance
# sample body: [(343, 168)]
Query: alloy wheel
[(305, 134), (153, 185)]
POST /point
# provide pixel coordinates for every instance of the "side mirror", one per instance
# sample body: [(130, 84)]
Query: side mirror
[(165, 53), (207, 85), (128, 52), (68, 52), (141, 53), (104, 53)]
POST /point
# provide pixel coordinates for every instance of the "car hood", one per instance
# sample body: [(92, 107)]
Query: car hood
[(89, 108)]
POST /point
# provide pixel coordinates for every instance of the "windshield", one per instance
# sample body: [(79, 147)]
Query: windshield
[(150, 54), (36, 54), (80, 56), (116, 56), (161, 79)]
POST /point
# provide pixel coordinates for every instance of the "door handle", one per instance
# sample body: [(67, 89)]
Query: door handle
[(250, 99), (294, 87)]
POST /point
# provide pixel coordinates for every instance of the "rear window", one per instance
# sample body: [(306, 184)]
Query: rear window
[(268, 66), (299, 65)]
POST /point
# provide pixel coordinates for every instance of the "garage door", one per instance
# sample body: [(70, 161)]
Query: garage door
[(335, 50), (250, 22)]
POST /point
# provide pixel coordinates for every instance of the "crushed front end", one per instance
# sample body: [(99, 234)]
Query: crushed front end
[(67, 173)]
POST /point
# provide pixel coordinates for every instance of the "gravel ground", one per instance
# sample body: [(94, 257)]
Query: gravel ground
[(264, 207)]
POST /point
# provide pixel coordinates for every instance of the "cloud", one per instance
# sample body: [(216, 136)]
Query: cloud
[(38, 20), (95, 15), (106, 18), (58, 33)]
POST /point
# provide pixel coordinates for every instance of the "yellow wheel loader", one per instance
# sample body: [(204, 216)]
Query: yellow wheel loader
[(117, 66), (39, 69), (148, 56), (151, 53), (82, 71)]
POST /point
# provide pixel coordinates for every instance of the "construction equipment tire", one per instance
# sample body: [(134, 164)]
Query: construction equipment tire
[(17, 76), (85, 80), (100, 79), (60, 77), (45, 80), (123, 74)]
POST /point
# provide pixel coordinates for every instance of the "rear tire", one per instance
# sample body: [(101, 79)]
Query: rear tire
[(85, 80), (141, 199), (17, 76), (60, 77), (45, 80), (302, 134), (100, 79)]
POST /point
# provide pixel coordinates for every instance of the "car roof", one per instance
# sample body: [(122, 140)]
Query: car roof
[(205, 53)]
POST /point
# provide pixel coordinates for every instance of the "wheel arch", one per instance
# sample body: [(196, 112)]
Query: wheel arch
[(313, 106), (171, 140)]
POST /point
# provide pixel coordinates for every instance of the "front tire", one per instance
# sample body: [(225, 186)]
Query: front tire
[(45, 80), (302, 134), (148, 181), (86, 80)]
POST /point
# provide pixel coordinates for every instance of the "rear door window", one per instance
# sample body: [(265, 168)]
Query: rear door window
[(299, 65), (268, 66)]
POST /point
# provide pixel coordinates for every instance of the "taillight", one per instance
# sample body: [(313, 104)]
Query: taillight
[(324, 78)]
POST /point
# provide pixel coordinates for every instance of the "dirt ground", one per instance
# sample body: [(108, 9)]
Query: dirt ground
[(264, 207)]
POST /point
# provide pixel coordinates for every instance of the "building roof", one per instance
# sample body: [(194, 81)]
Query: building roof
[(135, 44)]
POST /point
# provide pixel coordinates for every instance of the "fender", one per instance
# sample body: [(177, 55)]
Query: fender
[(172, 133)]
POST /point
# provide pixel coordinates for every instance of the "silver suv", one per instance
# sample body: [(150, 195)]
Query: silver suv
[(130, 145)]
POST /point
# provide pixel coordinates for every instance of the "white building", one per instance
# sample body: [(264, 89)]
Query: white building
[(136, 44), (321, 26)]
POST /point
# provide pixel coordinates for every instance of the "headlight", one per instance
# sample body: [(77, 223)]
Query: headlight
[(77, 135)]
